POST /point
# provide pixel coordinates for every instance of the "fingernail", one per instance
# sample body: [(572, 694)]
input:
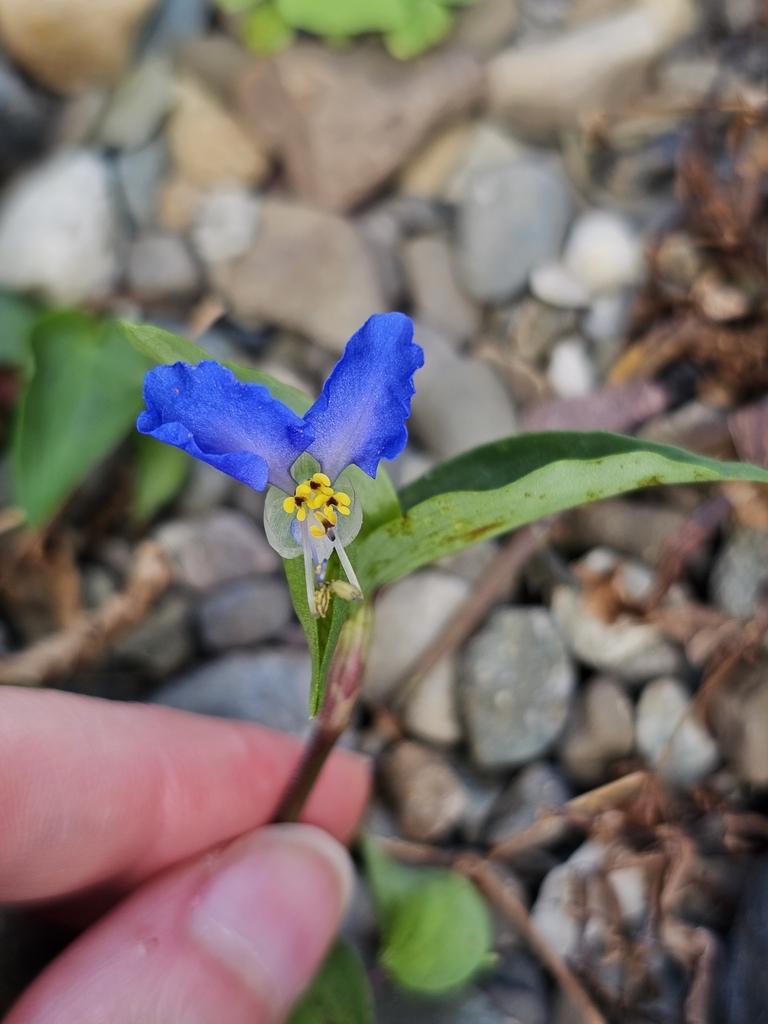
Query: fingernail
[(272, 908)]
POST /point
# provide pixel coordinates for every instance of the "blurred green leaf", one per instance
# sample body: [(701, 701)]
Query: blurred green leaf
[(82, 400), (266, 32), (163, 347), (428, 22), (340, 993), (160, 472), (506, 484), (345, 17), (17, 319), (436, 928)]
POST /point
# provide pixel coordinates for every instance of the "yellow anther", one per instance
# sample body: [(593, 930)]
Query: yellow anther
[(326, 520), (339, 501)]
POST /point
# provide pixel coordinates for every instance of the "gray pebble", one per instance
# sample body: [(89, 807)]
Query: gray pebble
[(244, 612)]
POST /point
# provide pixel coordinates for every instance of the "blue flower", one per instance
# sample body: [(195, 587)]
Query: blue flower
[(242, 430)]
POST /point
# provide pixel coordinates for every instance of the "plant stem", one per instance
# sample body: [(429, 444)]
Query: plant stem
[(345, 677)]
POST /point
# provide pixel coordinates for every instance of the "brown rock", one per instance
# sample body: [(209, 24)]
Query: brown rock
[(71, 44), (601, 730), (208, 145), (178, 204), (308, 270), (427, 793), (343, 122), (740, 721)]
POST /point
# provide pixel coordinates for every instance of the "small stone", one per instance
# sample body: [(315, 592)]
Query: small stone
[(517, 683), (270, 687), (534, 327), (308, 270), (482, 796), (603, 252), (628, 649), (161, 267), (216, 60), (138, 104), (206, 488), (244, 612), (226, 223), (552, 283), (740, 571), (80, 117), (178, 203), (410, 615), (163, 642), (517, 987), (740, 14), (344, 121), (486, 146), (542, 86), (25, 120), (426, 173), (438, 298), (430, 713), (208, 145), (176, 22), (139, 173), (570, 372), (740, 720), (558, 911), (670, 735), (71, 44), (222, 547), (485, 28), (427, 794), (459, 402), (58, 230), (538, 786), (513, 219), (696, 426), (601, 730), (470, 1006), (640, 530), (608, 316)]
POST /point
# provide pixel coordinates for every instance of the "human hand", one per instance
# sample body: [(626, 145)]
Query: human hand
[(101, 799)]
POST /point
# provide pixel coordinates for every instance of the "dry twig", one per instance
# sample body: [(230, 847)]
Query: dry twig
[(56, 656)]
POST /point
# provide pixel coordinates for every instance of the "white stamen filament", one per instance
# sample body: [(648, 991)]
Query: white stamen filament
[(344, 559), (307, 547)]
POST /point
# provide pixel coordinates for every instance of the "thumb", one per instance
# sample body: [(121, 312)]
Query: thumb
[(236, 935)]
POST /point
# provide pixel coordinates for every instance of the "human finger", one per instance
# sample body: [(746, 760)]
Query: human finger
[(233, 936)]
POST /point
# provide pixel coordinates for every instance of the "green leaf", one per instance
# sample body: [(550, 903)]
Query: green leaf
[(238, 6), (163, 347), (160, 472), (378, 498), (340, 993), (436, 928), (345, 17), (17, 319), (81, 401), (266, 32), (427, 24), (503, 485)]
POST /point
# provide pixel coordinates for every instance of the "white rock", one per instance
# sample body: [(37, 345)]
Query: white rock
[(226, 223), (437, 295), (160, 266), (603, 252), (631, 888), (485, 146), (409, 616), (58, 230), (558, 911), (670, 735), (601, 729), (430, 712), (570, 371), (607, 316), (542, 86), (630, 650), (553, 284)]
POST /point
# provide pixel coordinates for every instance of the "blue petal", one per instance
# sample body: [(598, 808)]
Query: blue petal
[(360, 416), (238, 428)]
